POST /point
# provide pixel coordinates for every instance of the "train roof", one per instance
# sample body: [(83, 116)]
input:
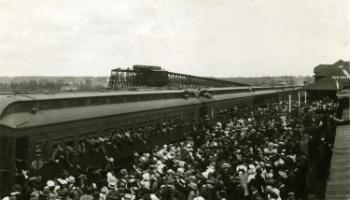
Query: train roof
[(7, 99), (241, 94), (42, 116), (66, 95), (54, 116)]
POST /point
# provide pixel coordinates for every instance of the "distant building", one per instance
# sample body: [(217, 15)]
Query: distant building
[(323, 71), (330, 79)]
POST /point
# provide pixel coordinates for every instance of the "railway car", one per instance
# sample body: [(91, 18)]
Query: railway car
[(47, 120), (51, 119), (239, 96)]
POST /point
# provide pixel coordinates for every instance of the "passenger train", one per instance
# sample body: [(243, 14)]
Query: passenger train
[(28, 120)]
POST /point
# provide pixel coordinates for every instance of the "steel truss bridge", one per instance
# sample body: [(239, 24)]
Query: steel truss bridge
[(154, 76)]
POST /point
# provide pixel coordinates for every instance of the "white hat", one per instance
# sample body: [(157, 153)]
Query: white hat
[(180, 170), (109, 174), (283, 174), (50, 183), (276, 191), (280, 162), (266, 150), (250, 177), (251, 166), (226, 165), (62, 181), (112, 182), (154, 197), (146, 184), (71, 179), (274, 151), (110, 159), (293, 157), (182, 163), (241, 167), (57, 187), (15, 193), (269, 175), (146, 176), (104, 190), (110, 177)]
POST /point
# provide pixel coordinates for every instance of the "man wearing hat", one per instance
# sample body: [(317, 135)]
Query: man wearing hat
[(38, 162), (112, 183)]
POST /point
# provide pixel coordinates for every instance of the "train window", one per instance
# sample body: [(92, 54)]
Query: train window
[(93, 101), (103, 100), (156, 96), (27, 106), (16, 107), (45, 105), (75, 102), (132, 98), (115, 99), (97, 101), (64, 103)]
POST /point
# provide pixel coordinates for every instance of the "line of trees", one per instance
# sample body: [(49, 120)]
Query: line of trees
[(45, 85)]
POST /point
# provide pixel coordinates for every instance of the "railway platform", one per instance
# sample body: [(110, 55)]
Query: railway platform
[(338, 186)]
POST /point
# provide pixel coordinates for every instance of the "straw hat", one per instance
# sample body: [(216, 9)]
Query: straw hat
[(283, 174), (192, 185), (112, 183), (50, 183)]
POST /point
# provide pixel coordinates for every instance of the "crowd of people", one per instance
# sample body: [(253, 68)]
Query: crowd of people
[(117, 143), (252, 153)]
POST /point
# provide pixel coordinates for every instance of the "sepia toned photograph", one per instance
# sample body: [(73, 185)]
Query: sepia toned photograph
[(174, 100)]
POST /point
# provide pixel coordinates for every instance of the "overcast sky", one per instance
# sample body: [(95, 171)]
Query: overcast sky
[(218, 38)]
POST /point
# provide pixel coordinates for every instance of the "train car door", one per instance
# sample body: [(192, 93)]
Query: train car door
[(6, 163), (21, 149)]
